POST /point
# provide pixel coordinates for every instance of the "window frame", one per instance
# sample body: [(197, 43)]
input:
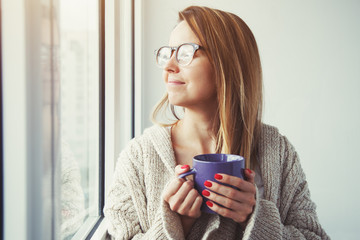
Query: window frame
[(1, 137), (95, 224), (121, 100)]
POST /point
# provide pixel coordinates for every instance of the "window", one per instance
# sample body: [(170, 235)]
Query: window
[(54, 113), (80, 116)]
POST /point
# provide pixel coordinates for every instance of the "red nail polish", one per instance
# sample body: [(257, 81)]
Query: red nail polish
[(205, 193), (209, 203), (185, 166), (208, 184), (218, 177), (249, 171)]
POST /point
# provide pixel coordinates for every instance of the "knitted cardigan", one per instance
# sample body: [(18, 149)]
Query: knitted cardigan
[(134, 208)]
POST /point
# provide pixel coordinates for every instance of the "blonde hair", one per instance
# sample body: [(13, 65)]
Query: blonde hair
[(233, 53)]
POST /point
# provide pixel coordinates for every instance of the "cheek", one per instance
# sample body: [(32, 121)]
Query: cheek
[(211, 84), (204, 84), (164, 75), (207, 78)]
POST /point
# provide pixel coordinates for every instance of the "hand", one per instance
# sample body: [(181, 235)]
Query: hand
[(183, 198), (239, 202), (181, 195)]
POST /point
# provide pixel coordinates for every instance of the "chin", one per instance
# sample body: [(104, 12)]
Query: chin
[(176, 102), (174, 99)]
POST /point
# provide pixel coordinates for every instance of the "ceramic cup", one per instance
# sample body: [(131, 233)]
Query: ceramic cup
[(205, 166)]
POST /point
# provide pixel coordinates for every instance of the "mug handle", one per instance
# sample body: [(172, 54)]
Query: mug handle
[(192, 171)]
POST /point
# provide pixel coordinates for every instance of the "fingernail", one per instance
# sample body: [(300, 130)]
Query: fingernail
[(249, 171), (209, 203), (208, 184), (205, 193), (185, 166), (218, 177)]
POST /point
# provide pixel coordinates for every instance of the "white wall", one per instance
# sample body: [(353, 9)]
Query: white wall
[(311, 66)]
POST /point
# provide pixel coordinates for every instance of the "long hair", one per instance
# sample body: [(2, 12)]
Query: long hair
[(233, 53)]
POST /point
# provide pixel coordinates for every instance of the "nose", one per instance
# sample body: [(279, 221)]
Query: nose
[(172, 65)]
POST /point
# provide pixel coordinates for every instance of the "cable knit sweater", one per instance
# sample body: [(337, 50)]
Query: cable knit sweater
[(135, 210)]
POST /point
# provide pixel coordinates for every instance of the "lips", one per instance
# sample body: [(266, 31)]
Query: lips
[(173, 81), (176, 82)]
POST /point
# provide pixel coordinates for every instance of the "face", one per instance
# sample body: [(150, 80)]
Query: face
[(191, 86)]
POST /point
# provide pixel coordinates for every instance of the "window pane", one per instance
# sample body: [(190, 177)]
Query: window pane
[(79, 81)]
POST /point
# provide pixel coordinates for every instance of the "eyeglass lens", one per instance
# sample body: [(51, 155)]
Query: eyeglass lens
[(184, 54)]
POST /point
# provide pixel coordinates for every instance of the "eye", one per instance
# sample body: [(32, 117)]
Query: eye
[(164, 52), (185, 54), (163, 56)]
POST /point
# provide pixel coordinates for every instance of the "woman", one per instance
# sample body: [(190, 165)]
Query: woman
[(212, 70)]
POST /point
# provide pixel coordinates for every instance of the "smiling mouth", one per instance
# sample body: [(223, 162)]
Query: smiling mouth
[(175, 82)]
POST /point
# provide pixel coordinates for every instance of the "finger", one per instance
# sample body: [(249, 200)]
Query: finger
[(225, 201), (250, 176), (226, 191), (180, 169), (195, 209), (237, 217), (177, 199), (247, 198), (188, 202), (172, 188), (237, 182)]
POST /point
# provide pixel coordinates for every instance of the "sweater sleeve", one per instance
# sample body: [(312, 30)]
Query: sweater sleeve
[(295, 216), (125, 208)]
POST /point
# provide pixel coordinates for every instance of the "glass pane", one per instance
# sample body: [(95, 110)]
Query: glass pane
[(79, 83)]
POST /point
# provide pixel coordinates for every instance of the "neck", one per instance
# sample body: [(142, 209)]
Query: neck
[(195, 130)]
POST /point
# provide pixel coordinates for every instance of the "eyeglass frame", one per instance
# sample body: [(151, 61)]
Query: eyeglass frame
[(176, 49)]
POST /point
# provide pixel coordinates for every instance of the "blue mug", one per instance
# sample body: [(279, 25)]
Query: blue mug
[(205, 167)]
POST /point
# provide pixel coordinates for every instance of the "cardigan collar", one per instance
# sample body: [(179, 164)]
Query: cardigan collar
[(161, 139)]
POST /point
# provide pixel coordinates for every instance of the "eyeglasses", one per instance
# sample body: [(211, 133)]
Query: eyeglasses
[(183, 54)]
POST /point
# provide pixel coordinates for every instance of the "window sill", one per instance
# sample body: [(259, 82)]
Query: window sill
[(101, 231), (88, 226)]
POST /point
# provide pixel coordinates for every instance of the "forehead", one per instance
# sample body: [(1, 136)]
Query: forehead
[(182, 33)]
